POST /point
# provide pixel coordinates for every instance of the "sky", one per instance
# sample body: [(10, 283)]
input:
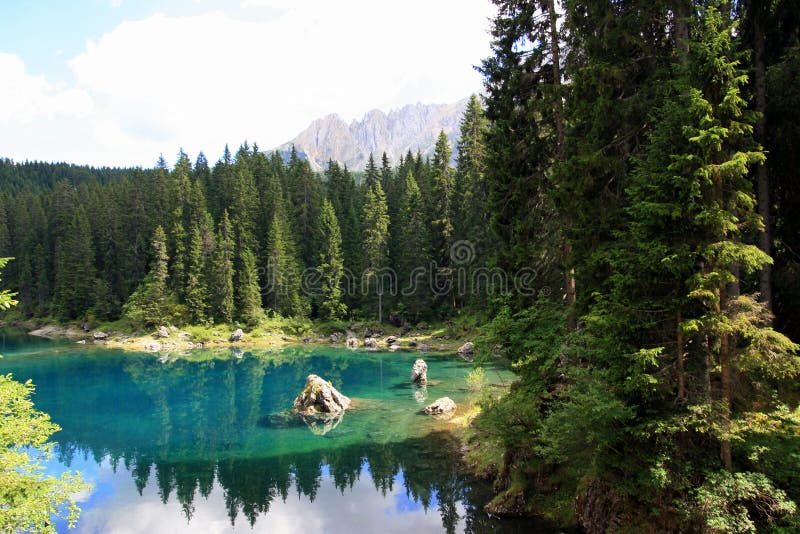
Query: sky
[(119, 82)]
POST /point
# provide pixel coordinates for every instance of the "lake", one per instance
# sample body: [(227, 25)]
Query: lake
[(194, 442)]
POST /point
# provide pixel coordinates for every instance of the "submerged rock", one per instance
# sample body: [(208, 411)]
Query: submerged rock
[(237, 335), (421, 393), (322, 424), (319, 396), (319, 424), (285, 419), (424, 348), (152, 346), (445, 405), (419, 372)]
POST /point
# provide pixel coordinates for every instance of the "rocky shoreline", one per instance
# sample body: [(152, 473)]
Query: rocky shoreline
[(170, 338)]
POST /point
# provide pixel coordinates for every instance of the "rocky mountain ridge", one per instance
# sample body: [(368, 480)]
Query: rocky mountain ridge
[(413, 127)]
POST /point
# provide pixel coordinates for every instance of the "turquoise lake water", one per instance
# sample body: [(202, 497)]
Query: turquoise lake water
[(186, 443)]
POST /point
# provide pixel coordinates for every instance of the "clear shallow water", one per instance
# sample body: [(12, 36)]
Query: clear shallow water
[(185, 445)]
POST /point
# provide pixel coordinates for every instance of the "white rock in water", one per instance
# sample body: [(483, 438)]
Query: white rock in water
[(319, 396), (419, 372), (441, 406)]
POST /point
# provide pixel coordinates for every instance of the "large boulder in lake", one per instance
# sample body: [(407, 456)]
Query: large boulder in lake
[(442, 406), (419, 372), (320, 397)]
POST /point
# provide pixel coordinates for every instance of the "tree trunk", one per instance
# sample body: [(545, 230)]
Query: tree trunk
[(558, 114), (765, 237), (725, 364), (679, 361), (380, 300)]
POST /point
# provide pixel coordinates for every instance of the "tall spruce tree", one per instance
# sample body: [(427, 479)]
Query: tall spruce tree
[(149, 303), (413, 262), (222, 294), (331, 264), (248, 290), (283, 293), (470, 191), (196, 289), (375, 222), (443, 228), (371, 173)]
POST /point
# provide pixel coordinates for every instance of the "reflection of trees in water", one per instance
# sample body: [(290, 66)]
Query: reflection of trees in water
[(251, 485)]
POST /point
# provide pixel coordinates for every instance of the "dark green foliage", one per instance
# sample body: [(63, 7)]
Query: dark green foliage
[(196, 290), (73, 257), (412, 254), (375, 216), (666, 408), (331, 265), (222, 298), (148, 305), (247, 290), (283, 292)]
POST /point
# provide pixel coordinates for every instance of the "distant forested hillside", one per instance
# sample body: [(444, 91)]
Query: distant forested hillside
[(253, 232)]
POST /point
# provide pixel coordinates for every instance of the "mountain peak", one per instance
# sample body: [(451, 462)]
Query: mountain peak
[(412, 127)]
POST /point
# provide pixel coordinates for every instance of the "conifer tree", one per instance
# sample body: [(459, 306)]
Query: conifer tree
[(371, 174), (177, 237), (73, 255), (306, 197), (248, 291), (375, 217), (331, 264), (443, 192), (342, 195), (413, 252), (74, 267), (244, 203), (471, 194), (196, 291), (720, 152), (148, 305), (222, 296), (283, 271)]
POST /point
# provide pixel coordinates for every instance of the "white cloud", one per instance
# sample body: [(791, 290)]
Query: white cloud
[(157, 84)]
